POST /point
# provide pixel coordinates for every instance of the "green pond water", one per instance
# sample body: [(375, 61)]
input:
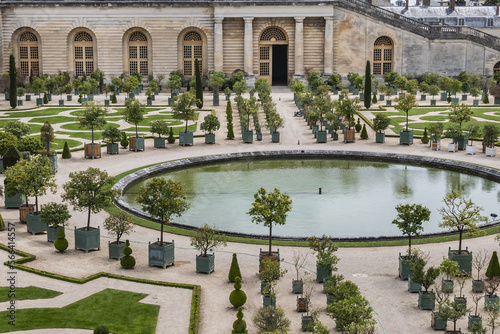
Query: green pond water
[(358, 197)]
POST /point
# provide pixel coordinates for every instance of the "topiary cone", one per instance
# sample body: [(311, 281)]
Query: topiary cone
[(2, 224), (11, 156), (234, 271), (61, 244), (66, 154), (239, 326), (493, 267), (364, 133), (237, 298), (127, 261)]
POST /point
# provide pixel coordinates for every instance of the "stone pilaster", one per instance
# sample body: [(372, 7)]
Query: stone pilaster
[(328, 60), (248, 55), (218, 45), (299, 47)]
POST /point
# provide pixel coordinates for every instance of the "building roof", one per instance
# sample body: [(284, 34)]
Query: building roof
[(460, 11)]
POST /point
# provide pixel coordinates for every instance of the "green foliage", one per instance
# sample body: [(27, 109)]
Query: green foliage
[(424, 277), (271, 319), (160, 127), (127, 261), (239, 325), (111, 134), (351, 76), (461, 215), (234, 270), (325, 252), (89, 190), (425, 138), (118, 224), (374, 99), (270, 209), (199, 87), (13, 81), (460, 114), (31, 144), (436, 130), (11, 157), (113, 98), (101, 330), (358, 126), (353, 314), (207, 238), (45, 98), (486, 98), (47, 135), (410, 219), (449, 268), (210, 123), (237, 298), (405, 104), (452, 311), (134, 113), (296, 86), (364, 133), (342, 290), (493, 267), (347, 108), (66, 154), (230, 131), (182, 108), (17, 128), (55, 214), (240, 87), (314, 80), (61, 244), (368, 86), (6, 140), (124, 140), (93, 117), (2, 223), (162, 199), (171, 138), (174, 81)]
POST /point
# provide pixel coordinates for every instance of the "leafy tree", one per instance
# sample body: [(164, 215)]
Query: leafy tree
[(456, 86), (47, 136), (163, 199), (325, 252), (452, 311), (174, 81), (11, 157), (55, 214), (405, 104), (89, 190), (314, 80), (207, 238), (160, 127), (450, 268), (216, 81), (111, 133), (13, 82), (400, 82), (270, 209), (182, 108), (240, 87), (134, 113), (353, 314), (296, 86), (445, 83), (381, 122), (38, 85), (93, 117), (118, 224), (210, 123), (248, 107), (17, 128), (461, 215), (348, 108), (459, 114), (271, 319), (390, 77), (351, 77), (199, 87), (323, 102), (424, 277), (6, 140), (410, 219)]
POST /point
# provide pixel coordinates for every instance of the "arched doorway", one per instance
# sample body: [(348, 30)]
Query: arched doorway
[(273, 56), (496, 69)]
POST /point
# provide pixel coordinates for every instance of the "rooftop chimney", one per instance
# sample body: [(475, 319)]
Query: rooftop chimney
[(452, 5)]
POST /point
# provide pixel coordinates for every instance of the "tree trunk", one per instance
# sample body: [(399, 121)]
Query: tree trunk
[(460, 243), (270, 238), (161, 236), (409, 245), (88, 221)]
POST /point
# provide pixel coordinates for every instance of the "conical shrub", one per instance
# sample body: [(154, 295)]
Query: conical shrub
[(113, 98), (127, 261), (234, 271), (374, 99), (230, 131), (364, 133), (101, 330), (171, 138), (45, 98), (66, 154), (11, 156), (493, 267), (2, 223), (237, 298), (61, 244), (425, 138), (124, 140)]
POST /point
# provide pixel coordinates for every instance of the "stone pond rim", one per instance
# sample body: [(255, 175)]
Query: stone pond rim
[(124, 183)]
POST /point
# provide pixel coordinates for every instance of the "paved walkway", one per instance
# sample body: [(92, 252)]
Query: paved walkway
[(373, 269)]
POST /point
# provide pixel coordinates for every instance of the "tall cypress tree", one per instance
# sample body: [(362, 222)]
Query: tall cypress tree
[(368, 85), (13, 82), (199, 87)]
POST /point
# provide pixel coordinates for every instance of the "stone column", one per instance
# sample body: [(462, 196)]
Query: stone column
[(328, 60), (299, 47), (218, 45), (248, 57)]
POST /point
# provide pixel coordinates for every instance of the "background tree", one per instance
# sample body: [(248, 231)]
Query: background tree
[(271, 320), (368, 85), (118, 224), (406, 103), (89, 190), (47, 136), (93, 117), (134, 113), (459, 114), (160, 127), (207, 238), (182, 108), (13, 82), (210, 123), (323, 102), (452, 311), (111, 134), (381, 122), (410, 219), (163, 199), (199, 84), (461, 215), (270, 209), (17, 128), (55, 214), (348, 108)]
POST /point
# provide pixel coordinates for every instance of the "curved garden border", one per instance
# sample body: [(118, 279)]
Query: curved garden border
[(124, 183)]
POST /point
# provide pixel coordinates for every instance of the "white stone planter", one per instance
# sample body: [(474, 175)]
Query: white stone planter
[(491, 151), (452, 147), (471, 149)]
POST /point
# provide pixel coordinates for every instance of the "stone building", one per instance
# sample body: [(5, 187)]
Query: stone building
[(274, 39)]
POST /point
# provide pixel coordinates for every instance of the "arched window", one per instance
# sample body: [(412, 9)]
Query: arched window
[(84, 54), (496, 68), (192, 49), (138, 53), (28, 54), (382, 55)]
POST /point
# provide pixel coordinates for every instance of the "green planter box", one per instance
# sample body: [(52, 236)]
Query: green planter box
[(381, 97), (69, 97), (268, 301), (362, 96), (321, 273), (262, 287), (461, 301), (426, 301), (321, 137), (306, 320), (297, 286), (27, 97), (90, 97), (491, 301), (106, 102), (461, 141), (414, 287), (355, 91), (275, 137), (205, 264), (115, 250), (433, 102), (53, 163), (302, 304), (475, 102), (436, 322), (454, 100), (159, 142), (39, 101), (404, 268), (464, 97), (2, 169), (247, 137), (131, 95), (496, 101), (34, 224), (61, 102), (423, 97), (444, 96), (389, 102), (335, 136), (49, 97), (464, 260), (314, 128), (216, 100), (329, 299), (259, 136), (447, 286), (13, 202), (406, 138), (227, 97), (161, 255), (19, 102), (51, 234), (477, 286), (136, 144), (473, 319), (149, 102), (87, 240), (209, 138), (380, 137), (185, 138), (112, 148)]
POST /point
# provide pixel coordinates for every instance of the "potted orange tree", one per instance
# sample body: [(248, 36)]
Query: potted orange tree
[(134, 113), (426, 298), (161, 128), (405, 103), (210, 124), (204, 239), (93, 119), (55, 215), (117, 225), (89, 190), (183, 110), (162, 199), (326, 260), (112, 135)]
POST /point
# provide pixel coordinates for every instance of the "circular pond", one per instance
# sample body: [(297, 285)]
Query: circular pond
[(357, 197)]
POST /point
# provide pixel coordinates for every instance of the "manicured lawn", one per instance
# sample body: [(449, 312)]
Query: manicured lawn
[(76, 126), (82, 135), (39, 112), (53, 120), (30, 292), (58, 143), (120, 310)]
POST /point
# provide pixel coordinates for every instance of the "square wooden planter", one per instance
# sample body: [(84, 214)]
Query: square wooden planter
[(491, 151), (35, 224), (51, 233), (216, 99), (464, 260), (322, 273), (209, 138), (136, 144), (436, 322), (349, 136), (268, 301), (426, 301), (161, 255), (87, 239), (491, 301), (406, 138), (14, 202), (115, 250), (93, 151), (23, 212), (265, 256), (321, 137), (477, 286), (413, 287), (380, 137), (301, 304), (472, 320), (447, 285), (185, 138), (53, 163), (435, 145), (69, 97), (471, 149), (159, 142), (306, 320), (247, 137), (297, 286), (452, 147), (275, 137), (461, 141), (404, 267), (475, 102), (205, 264), (112, 148)]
